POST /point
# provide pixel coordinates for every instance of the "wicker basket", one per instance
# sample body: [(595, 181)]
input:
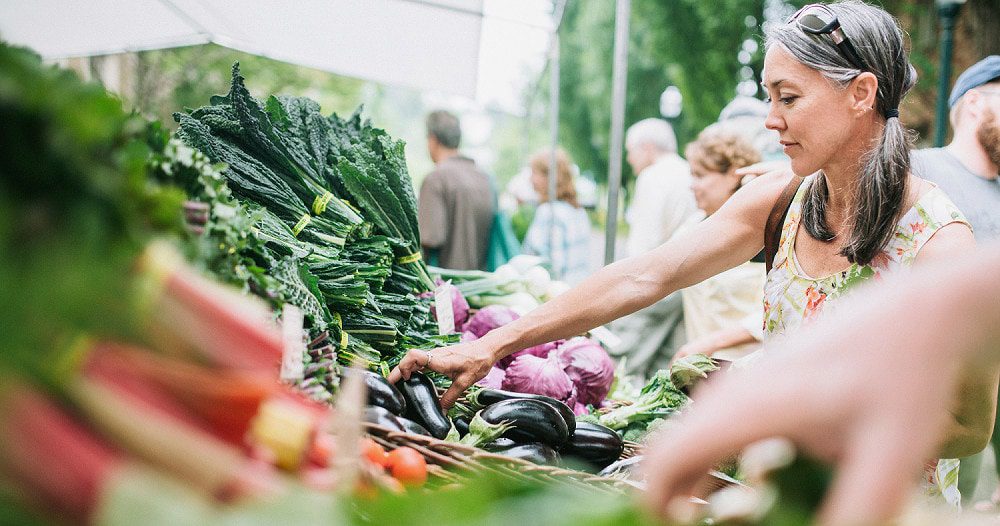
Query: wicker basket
[(449, 462)]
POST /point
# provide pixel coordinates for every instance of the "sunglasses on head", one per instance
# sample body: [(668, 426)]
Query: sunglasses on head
[(818, 19)]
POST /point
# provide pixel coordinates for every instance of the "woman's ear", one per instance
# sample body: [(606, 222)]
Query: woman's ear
[(864, 91)]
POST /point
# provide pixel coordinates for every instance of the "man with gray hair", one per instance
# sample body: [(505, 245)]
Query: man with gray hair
[(457, 203), (662, 199), (661, 203)]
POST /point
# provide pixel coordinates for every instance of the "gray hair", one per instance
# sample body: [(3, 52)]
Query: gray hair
[(882, 181), (443, 125), (655, 132)]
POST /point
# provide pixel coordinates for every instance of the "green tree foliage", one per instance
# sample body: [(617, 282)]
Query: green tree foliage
[(693, 45), (687, 43), (168, 79)]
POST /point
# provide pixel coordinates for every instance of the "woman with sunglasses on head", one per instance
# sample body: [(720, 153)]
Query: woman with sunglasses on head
[(836, 75)]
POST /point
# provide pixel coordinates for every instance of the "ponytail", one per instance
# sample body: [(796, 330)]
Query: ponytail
[(881, 186)]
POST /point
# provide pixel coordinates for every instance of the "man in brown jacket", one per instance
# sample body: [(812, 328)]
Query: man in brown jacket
[(456, 200)]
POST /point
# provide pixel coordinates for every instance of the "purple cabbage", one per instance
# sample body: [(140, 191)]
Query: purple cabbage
[(468, 337), (588, 366), (489, 318), (493, 379), (541, 351), (545, 376)]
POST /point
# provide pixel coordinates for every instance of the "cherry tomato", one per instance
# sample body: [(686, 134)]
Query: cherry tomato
[(407, 466), (374, 452)]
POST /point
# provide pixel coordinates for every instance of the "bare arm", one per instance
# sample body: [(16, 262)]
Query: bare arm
[(729, 237)]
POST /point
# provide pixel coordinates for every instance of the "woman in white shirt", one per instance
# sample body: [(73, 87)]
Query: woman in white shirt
[(723, 315)]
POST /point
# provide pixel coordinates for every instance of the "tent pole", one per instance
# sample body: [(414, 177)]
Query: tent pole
[(554, 140), (618, 78)]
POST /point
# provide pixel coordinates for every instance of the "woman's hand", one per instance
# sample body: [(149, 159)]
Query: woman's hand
[(705, 345), (756, 170), (868, 388), (465, 363)]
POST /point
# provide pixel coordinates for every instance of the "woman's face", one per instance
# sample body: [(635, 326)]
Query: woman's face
[(540, 183), (814, 119), (712, 189)]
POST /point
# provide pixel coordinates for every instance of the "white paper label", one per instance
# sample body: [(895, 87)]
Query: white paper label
[(294, 348), (443, 307), (606, 337)]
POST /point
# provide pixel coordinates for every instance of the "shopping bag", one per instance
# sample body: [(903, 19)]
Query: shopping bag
[(503, 243)]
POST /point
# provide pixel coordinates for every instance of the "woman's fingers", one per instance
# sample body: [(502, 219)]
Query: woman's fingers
[(454, 392), (414, 361), (874, 478)]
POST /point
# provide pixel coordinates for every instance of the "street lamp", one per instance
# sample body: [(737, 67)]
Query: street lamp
[(948, 11)]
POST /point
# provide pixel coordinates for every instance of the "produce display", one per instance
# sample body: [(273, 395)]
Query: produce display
[(313, 211), (157, 287)]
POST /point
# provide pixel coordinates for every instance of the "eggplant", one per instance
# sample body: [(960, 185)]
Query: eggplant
[(537, 453), (461, 425), (595, 444), (500, 443), (383, 394), (423, 406), (488, 397), (381, 416), (412, 427), (528, 420)]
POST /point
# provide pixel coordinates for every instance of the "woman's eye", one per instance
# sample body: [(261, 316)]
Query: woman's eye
[(784, 100)]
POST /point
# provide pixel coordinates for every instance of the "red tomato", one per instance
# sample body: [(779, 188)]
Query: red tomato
[(374, 452), (407, 466)]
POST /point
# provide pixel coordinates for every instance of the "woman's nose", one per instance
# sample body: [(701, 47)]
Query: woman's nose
[(773, 120)]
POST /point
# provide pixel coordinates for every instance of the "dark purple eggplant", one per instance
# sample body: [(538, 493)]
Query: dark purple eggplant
[(423, 406), (528, 420), (412, 427), (381, 416), (488, 397), (383, 394), (537, 453), (461, 425), (500, 443), (594, 444)]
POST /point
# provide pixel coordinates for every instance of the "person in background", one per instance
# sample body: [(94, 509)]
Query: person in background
[(966, 170), (560, 230), (723, 315), (662, 200), (456, 204), (661, 203)]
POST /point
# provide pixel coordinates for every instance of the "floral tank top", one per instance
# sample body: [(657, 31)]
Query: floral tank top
[(791, 297)]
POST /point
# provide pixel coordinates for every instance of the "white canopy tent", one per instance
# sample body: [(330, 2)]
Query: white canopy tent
[(422, 44)]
